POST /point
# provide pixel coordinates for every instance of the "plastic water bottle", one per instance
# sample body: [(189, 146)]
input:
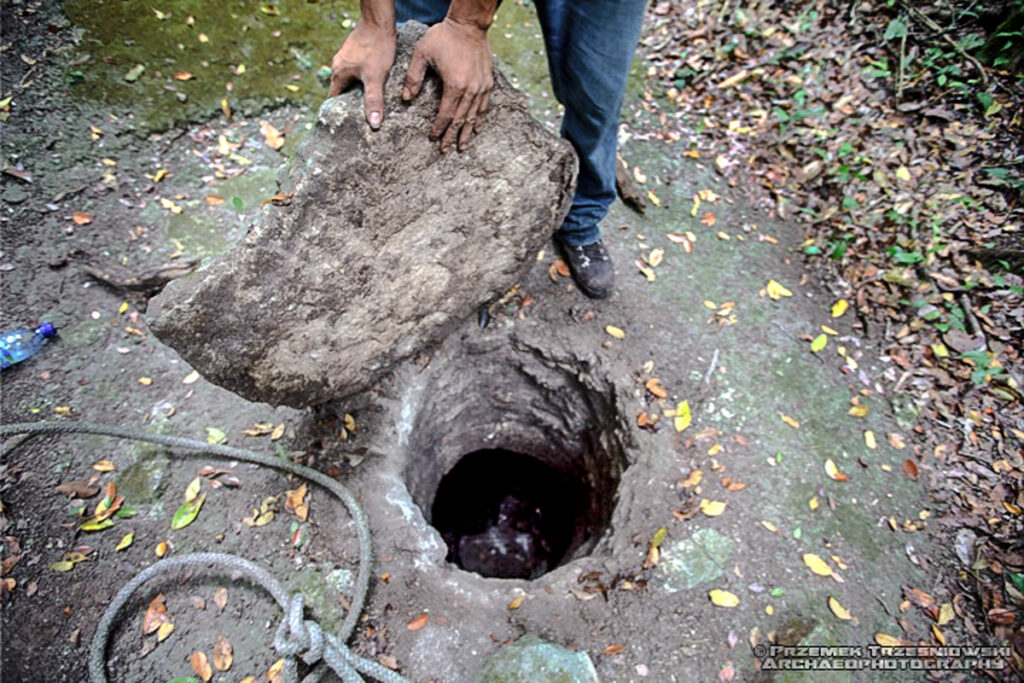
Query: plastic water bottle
[(17, 345)]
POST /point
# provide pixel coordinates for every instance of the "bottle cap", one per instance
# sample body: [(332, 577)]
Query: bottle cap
[(46, 330)]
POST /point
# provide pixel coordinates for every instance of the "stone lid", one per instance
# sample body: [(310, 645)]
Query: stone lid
[(385, 246)]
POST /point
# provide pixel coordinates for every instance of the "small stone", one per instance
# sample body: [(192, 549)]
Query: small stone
[(691, 561), (144, 481), (14, 195), (531, 659)]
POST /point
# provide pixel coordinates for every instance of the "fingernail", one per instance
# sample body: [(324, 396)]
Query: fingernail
[(375, 120)]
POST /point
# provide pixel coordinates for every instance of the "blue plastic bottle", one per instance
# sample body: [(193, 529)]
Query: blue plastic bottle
[(17, 345)]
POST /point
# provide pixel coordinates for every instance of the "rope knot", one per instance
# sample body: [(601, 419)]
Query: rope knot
[(298, 637)]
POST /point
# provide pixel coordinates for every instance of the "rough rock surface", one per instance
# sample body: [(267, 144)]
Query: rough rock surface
[(385, 246)]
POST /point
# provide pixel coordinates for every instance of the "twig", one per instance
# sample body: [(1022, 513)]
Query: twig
[(972, 320), (903, 59), (711, 368), (722, 12), (930, 23)]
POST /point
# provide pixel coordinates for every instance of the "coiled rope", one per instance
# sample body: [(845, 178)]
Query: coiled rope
[(296, 636)]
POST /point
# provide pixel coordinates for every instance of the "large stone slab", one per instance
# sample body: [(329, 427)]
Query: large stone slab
[(385, 246)]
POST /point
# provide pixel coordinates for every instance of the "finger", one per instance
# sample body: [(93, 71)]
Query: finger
[(445, 113), (340, 79), (485, 100), (373, 101), (459, 122), (414, 76), (466, 132)]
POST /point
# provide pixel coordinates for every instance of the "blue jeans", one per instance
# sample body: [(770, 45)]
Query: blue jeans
[(590, 46)]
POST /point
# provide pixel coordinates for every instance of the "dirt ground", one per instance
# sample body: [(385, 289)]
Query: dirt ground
[(773, 468)]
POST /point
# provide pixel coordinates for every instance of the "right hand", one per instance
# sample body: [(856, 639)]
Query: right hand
[(458, 52), (366, 56)]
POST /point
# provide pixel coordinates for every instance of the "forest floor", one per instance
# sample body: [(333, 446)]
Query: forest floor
[(828, 272)]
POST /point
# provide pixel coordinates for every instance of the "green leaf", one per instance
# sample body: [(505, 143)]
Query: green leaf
[(658, 537), (979, 357), (187, 513), (214, 435), (97, 525), (126, 541), (1017, 579), (776, 592), (895, 29), (62, 566), (126, 512), (134, 73), (237, 202), (192, 490), (819, 343)]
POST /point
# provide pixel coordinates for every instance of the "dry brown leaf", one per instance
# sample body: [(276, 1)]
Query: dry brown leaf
[(78, 489), (910, 468), (165, 629), (220, 597), (885, 640), (156, 614), (223, 655), (296, 503), (839, 610), (201, 665), (692, 479), (653, 385), (613, 649), (833, 472), (419, 622), (723, 598)]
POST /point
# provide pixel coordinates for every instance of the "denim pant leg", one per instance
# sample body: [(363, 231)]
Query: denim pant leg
[(590, 48), (427, 12)]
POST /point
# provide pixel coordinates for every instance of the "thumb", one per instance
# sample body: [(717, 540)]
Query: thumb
[(373, 101), (414, 76)]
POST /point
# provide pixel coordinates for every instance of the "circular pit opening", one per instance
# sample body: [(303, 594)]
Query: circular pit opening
[(515, 459), (508, 515)]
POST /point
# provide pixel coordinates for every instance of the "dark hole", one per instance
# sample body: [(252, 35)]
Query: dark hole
[(507, 515)]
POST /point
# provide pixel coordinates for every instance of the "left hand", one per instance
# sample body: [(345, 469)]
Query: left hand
[(459, 54)]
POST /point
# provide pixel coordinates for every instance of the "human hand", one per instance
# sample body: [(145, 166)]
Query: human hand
[(366, 56), (459, 54)]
